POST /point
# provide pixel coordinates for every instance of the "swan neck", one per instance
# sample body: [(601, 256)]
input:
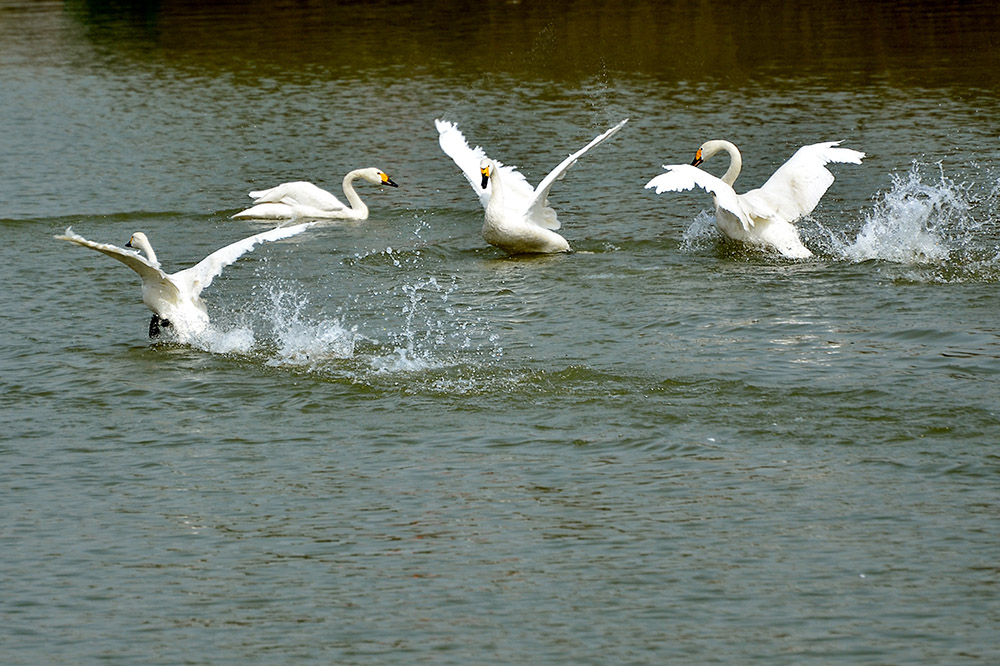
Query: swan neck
[(357, 205), (148, 249), (735, 164), (496, 190)]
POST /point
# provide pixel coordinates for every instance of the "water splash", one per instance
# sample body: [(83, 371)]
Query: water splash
[(913, 223), (215, 340), (432, 333), (701, 233), (300, 341), (942, 230)]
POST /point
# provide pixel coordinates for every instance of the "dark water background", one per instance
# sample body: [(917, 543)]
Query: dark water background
[(396, 445)]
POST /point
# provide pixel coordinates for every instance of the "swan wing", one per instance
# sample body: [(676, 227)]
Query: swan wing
[(453, 143), (538, 207), (681, 177), (147, 270), (797, 186), (200, 275), (298, 193), (266, 211)]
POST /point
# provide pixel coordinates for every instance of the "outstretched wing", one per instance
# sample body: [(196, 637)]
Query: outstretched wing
[(148, 271), (681, 177), (200, 275), (298, 193), (538, 207), (515, 185), (797, 186)]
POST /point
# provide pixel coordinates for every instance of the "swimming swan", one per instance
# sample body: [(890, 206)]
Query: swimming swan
[(175, 298), (763, 216), (305, 200), (518, 217)]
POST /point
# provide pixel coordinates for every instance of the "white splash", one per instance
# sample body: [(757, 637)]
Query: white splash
[(913, 223), (701, 233), (238, 340), (301, 342)]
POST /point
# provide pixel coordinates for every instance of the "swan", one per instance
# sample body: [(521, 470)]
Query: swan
[(175, 298), (305, 200), (764, 216), (518, 217)]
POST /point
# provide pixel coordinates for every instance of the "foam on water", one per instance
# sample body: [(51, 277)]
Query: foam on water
[(237, 340)]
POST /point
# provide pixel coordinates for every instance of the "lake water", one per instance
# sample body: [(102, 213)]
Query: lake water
[(395, 445)]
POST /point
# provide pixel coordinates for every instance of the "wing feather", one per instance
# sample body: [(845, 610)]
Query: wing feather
[(796, 187), (200, 275), (468, 159), (147, 270), (681, 177), (538, 207), (298, 193)]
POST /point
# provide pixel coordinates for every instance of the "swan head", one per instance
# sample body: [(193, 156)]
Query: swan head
[(486, 169), (710, 148), (139, 242), (377, 177)]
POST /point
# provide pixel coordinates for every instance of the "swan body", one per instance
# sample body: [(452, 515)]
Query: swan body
[(518, 219), (301, 199), (175, 298), (764, 216)]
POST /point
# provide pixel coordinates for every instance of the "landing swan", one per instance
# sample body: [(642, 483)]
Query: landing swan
[(764, 216), (518, 217), (175, 298), (305, 200)]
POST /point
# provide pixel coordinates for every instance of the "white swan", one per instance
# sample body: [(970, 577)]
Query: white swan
[(175, 298), (764, 216), (518, 217), (305, 200)]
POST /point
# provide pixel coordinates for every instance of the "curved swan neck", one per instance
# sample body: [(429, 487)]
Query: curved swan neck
[(710, 148), (357, 205), (142, 243)]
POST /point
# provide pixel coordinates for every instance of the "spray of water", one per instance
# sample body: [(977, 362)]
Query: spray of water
[(913, 223), (303, 342), (432, 332)]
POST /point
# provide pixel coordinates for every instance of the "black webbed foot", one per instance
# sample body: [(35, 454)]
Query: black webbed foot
[(156, 326)]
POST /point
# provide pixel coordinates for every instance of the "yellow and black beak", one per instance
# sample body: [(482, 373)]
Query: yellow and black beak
[(697, 159), (129, 243), (388, 181), (486, 176)]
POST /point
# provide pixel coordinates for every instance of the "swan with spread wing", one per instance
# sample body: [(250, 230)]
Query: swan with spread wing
[(175, 298), (518, 217), (765, 216)]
